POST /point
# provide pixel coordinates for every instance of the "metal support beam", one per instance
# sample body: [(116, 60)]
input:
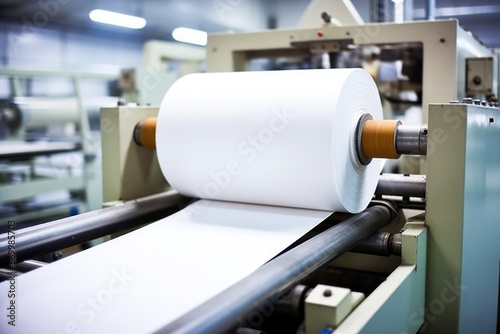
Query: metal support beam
[(430, 9)]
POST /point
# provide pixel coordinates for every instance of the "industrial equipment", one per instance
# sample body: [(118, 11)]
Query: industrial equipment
[(415, 63), (162, 64), (407, 272), (49, 144), (423, 257)]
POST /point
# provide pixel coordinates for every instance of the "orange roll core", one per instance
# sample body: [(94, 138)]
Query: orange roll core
[(148, 132), (378, 139)]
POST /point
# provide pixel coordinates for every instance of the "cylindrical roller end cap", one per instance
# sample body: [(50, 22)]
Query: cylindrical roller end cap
[(145, 133), (378, 139)]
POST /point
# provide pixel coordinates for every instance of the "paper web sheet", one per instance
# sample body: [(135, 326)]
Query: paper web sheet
[(146, 279)]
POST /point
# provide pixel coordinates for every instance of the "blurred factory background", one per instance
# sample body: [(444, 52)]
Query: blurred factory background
[(80, 87), (58, 68), (58, 34)]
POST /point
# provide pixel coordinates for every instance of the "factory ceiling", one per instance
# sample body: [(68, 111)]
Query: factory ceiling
[(482, 17)]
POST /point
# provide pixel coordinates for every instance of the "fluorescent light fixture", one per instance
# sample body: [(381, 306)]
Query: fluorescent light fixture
[(188, 35), (117, 19)]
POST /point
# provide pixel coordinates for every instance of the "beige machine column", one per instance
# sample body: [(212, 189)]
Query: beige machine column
[(129, 170)]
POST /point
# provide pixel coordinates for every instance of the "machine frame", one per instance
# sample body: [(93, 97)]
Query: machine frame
[(446, 46)]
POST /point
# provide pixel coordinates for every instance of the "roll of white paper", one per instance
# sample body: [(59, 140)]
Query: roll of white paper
[(283, 138)]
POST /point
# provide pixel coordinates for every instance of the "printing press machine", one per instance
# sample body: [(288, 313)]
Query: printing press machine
[(406, 265), (423, 257)]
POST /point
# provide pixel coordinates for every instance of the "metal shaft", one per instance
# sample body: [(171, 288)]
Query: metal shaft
[(380, 243), (401, 185), (262, 288), (7, 274), (292, 303), (387, 139), (411, 139), (49, 237), (30, 265)]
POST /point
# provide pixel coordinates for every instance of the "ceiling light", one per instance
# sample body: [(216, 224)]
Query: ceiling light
[(117, 19), (188, 35)]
